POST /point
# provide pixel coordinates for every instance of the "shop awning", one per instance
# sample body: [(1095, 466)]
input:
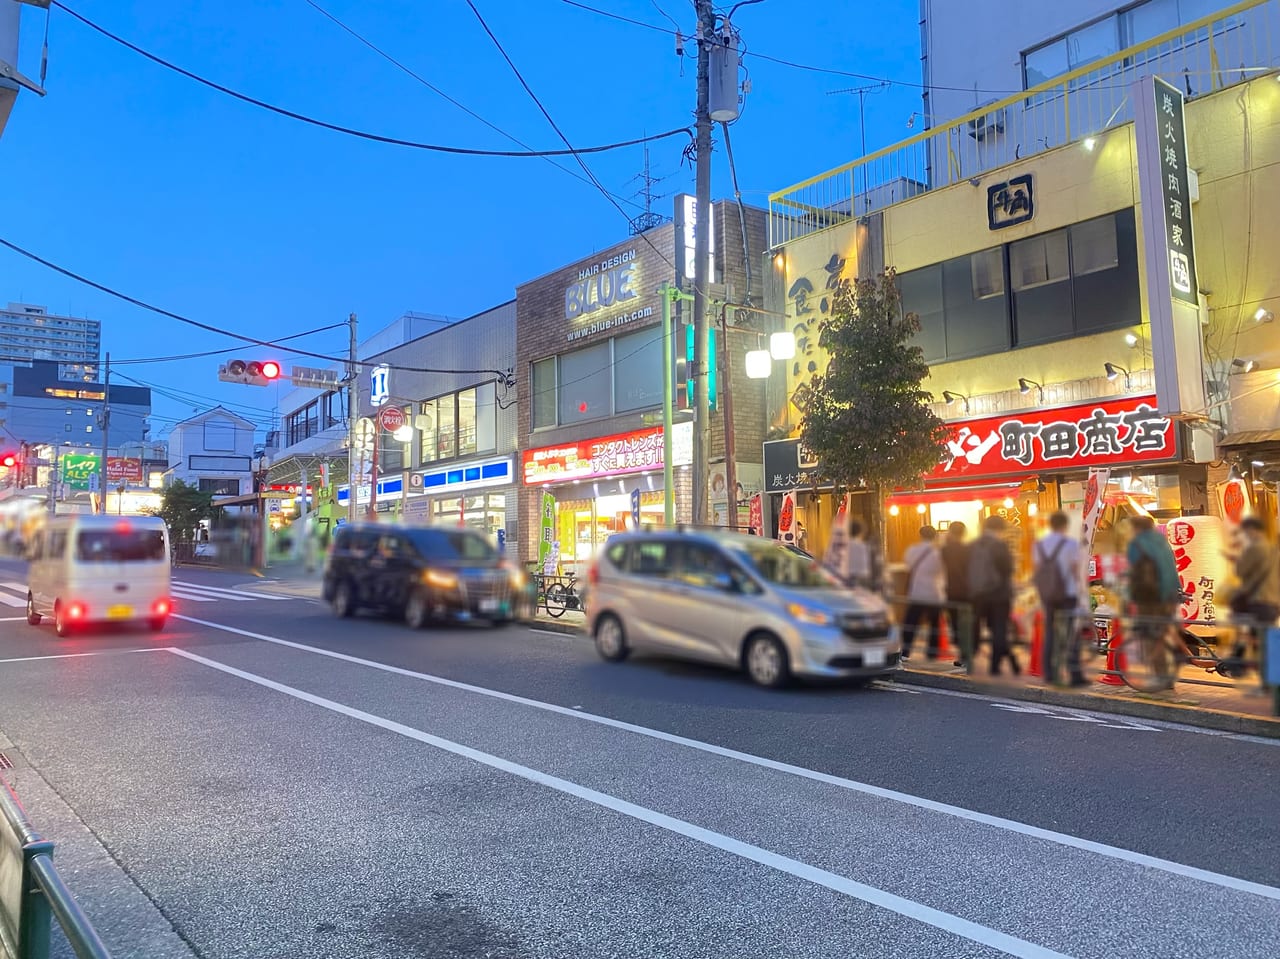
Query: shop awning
[(958, 493), (1250, 438)]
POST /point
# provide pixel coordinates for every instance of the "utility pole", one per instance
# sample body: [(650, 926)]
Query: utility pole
[(106, 426), (353, 418), (700, 374)]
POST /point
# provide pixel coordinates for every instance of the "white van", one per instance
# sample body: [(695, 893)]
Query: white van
[(99, 569)]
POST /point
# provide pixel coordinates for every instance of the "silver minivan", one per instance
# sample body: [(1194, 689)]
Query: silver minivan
[(737, 600)]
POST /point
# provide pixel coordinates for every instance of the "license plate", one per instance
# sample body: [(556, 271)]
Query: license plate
[(119, 612), (489, 605), (873, 656)]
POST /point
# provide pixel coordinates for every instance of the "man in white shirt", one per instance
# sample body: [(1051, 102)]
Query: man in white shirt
[(926, 591), (1059, 597)]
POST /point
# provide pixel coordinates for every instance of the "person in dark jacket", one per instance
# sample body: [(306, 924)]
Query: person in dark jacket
[(955, 566), (991, 591), (1155, 595)]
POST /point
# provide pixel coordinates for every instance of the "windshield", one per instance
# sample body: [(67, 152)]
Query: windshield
[(120, 546), (453, 545), (783, 566)]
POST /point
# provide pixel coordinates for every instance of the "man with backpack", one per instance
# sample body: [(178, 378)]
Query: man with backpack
[(1154, 586), (1057, 578)]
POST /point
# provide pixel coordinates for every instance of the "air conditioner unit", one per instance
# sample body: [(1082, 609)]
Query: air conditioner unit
[(987, 125)]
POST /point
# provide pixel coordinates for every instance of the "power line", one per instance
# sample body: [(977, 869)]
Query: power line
[(576, 153), (361, 134), (231, 349), (791, 63), (70, 274), (436, 90)]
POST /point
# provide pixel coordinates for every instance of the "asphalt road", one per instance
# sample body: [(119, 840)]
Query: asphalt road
[(264, 780)]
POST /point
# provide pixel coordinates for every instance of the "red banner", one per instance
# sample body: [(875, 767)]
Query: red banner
[(124, 468), (1119, 432), (607, 456)]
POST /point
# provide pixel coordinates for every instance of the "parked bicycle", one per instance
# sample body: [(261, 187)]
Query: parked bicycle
[(562, 595), (1154, 652)]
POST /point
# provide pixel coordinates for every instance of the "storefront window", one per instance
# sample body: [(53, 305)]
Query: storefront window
[(585, 384), (428, 426), (484, 512), (637, 372), (486, 417), (544, 393), (1038, 260), (467, 422)]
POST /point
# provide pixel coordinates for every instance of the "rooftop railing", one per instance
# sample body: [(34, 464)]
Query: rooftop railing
[(1228, 47)]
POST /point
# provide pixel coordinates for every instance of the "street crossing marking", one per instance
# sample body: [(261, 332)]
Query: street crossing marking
[(1075, 717), (908, 908), (20, 600), (243, 595), (880, 792)]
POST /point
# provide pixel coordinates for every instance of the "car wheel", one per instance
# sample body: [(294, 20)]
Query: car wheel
[(344, 603), (156, 623), (60, 625), (766, 661), (33, 618), (416, 612), (611, 639)]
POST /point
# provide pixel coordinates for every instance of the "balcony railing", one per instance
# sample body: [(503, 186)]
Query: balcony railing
[(1212, 53)]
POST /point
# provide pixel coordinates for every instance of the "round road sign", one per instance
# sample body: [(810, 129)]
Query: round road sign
[(391, 418)]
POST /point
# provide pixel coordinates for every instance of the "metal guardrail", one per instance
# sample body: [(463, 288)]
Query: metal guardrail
[(31, 891), (1201, 56)]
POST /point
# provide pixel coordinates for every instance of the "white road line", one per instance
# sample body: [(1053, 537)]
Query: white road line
[(954, 925), (12, 619), (238, 593), (193, 597), (893, 795), (200, 596), (100, 652), (10, 600)]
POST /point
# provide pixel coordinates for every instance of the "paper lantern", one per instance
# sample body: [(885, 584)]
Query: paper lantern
[(1198, 543)]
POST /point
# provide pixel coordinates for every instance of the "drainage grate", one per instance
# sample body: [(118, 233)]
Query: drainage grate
[(5, 762)]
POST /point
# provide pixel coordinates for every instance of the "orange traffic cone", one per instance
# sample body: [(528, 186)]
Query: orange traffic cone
[(1115, 657), (1035, 667), (944, 637)]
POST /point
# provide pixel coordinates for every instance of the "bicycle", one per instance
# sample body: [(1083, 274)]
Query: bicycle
[(1153, 655), (562, 595)]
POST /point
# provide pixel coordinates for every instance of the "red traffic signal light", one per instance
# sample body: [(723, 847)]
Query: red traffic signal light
[(251, 373), (9, 460)]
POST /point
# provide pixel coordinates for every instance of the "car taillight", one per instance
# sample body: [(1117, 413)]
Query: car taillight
[(593, 574), (77, 611), (161, 607)]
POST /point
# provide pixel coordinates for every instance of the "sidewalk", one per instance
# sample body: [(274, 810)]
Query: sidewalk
[(1242, 707)]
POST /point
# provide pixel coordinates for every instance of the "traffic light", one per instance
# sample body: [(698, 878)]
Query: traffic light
[(251, 373), (9, 460)]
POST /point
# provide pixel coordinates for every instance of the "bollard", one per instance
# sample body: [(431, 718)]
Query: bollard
[(1115, 657), (1036, 664)]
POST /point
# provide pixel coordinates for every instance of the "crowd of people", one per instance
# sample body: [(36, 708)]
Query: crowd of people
[(970, 584)]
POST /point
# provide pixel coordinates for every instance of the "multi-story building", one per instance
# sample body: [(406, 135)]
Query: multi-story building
[(1070, 313), (59, 403), (590, 372), (29, 332), (453, 458), (213, 451)]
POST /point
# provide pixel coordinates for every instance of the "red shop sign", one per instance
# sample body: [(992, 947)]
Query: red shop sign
[(607, 456), (1121, 432)]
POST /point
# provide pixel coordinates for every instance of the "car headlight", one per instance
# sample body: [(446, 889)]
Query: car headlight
[(807, 614), (439, 579)]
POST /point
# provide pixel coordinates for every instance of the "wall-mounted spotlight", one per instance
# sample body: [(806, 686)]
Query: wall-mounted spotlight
[(1263, 315), (1243, 366), (1025, 386), (950, 398), (1114, 370)]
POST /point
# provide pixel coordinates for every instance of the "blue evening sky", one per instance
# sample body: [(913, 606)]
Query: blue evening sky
[(164, 189)]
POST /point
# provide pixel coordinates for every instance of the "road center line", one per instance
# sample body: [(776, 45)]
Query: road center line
[(893, 795), (954, 925)]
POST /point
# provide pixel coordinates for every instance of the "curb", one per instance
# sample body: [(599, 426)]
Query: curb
[(1135, 708)]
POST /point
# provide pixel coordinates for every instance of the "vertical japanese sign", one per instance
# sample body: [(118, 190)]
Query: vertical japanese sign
[(1173, 294), (546, 537), (1094, 501), (787, 519), (635, 508), (1175, 191), (756, 521), (839, 541)]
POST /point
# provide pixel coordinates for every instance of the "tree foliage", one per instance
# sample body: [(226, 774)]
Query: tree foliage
[(182, 507), (868, 420)]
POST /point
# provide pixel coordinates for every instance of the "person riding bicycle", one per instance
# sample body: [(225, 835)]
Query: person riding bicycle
[(1154, 586)]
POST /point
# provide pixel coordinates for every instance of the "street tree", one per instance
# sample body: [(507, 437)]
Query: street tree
[(868, 421), (182, 507)]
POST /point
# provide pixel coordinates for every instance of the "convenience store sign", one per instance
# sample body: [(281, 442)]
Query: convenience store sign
[(613, 455), (1105, 433)]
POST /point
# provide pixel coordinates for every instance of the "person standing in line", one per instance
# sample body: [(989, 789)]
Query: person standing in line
[(1257, 601), (955, 565), (856, 562), (1056, 561), (991, 591), (1155, 589), (925, 591)]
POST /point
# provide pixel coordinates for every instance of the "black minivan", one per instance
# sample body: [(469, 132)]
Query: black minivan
[(422, 573)]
